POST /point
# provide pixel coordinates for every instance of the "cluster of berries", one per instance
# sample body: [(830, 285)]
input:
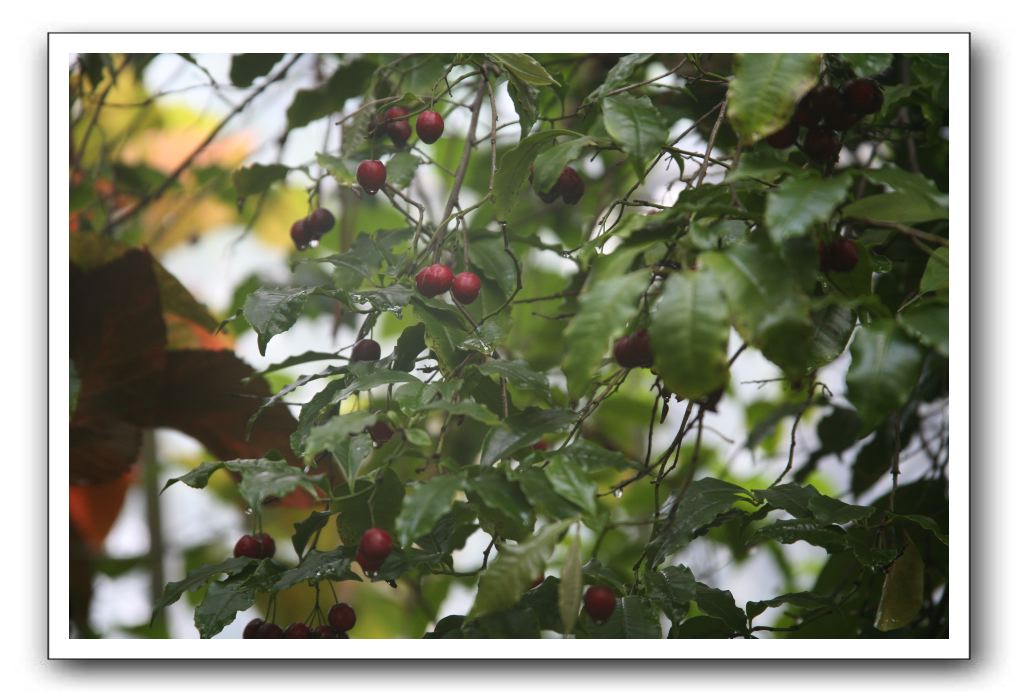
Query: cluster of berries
[(396, 124), (436, 279), (824, 111), (341, 619), (308, 231)]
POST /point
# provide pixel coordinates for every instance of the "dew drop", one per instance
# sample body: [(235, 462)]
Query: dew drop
[(617, 493), (312, 243), (248, 511)]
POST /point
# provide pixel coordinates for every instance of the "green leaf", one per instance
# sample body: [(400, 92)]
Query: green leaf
[(345, 83), (925, 522), (596, 573), (635, 124), (905, 181), (258, 178), (619, 75), (830, 538), (902, 595), (798, 203), (512, 572), (417, 437), (701, 627), (550, 162), (671, 590), (400, 169), (524, 98), (689, 334), (272, 311), (570, 586), (829, 510), (369, 504), (514, 169), (593, 457), (572, 482), (303, 530), (220, 606), (896, 207), (464, 407), (928, 322), (704, 500), (634, 618), (333, 565), (721, 605), (790, 497), (539, 493), (765, 88), (199, 577), (768, 306), (885, 368), (519, 374), (75, 388), (197, 477), (390, 299), (247, 67), (428, 503), (605, 309), (501, 505), (936, 275), (491, 258), (522, 430), (444, 330), (801, 599), (264, 478), (832, 328), (524, 68), (408, 346), (868, 64)]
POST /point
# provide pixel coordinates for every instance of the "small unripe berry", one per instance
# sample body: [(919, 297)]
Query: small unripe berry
[(297, 630), (397, 126), (299, 234), (342, 617), (248, 546), (821, 144), (785, 137), (570, 185), (320, 222), (634, 351), (863, 96), (269, 630), (371, 175), (366, 350), (465, 287), (376, 544), (266, 544), (840, 255), (251, 629), (599, 602), (380, 432), (430, 126), (434, 280)]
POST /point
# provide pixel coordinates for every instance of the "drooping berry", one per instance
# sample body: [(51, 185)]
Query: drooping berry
[(299, 234), (381, 432), (806, 114), (599, 602), (269, 630), (397, 125), (376, 544), (371, 175), (570, 185), (248, 546), (369, 565), (840, 255), (251, 629), (430, 126), (434, 280), (785, 137), (324, 632), (319, 222), (826, 100), (465, 287), (342, 617), (634, 351), (821, 143), (366, 350), (297, 630), (863, 96), (266, 544)]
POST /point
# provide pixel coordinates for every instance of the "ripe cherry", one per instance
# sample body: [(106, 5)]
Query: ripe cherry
[(299, 234), (366, 350), (840, 255), (319, 222), (785, 137), (826, 100), (842, 120), (269, 630), (376, 544), (600, 603), (465, 287), (633, 351), (324, 632), (297, 630), (821, 143), (806, 114), (863, 96), (434, 280), (430, 126), (380, 432), (371, 175), (397, 125), (251, 629), (570, 185), (267, 545), (248, 546), (369, 565), (342, 617)]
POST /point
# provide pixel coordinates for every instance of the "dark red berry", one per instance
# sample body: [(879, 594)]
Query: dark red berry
[(297, 630), (541, 445), (397, 125), (599, 602), (251, 629), (320, 222), (863, 96), (380, 432), (465, 287), (826, 100), (324, 632), (785, 137), (366, 350), (842, 120), (248, 546), (369, 565), (806, 114), (434, 280), (376, 544), (300, 234), (633, 351), (342, 617), (840, 255), (546, 197), (371, 175), (430, 126), (269, 630), (570, 185), (266, 544), (821, 143)]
